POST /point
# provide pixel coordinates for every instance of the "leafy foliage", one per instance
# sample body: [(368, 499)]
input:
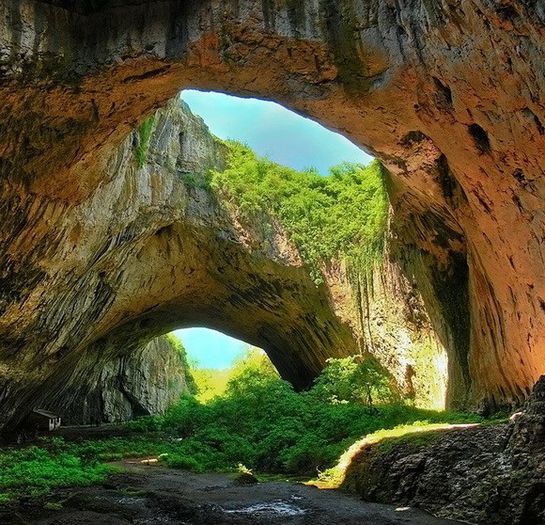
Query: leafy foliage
[(211, 383), (254, 362), (144, 135), (356, 379), (343, 215), (35, 470), (259, 422)]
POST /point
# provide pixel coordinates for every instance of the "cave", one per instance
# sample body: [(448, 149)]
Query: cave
[(78, 76), (154, 250), (99, 244)]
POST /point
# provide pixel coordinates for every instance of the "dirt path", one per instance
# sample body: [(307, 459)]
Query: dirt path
[(149, 495)]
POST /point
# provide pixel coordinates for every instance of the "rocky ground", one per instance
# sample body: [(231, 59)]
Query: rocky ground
[(490, 474), (151, 495)]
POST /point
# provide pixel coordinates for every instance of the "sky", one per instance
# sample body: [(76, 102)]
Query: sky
[(285, 137), (274, 131), (209, 348)]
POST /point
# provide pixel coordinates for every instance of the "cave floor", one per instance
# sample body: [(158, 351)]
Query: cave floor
[(151, 495)]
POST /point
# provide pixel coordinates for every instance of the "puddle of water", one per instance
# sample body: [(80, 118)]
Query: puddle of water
[(155, 520), (273, 508)]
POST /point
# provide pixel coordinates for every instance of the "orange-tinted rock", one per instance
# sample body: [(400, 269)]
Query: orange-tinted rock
[(449, 95), (152, 249)]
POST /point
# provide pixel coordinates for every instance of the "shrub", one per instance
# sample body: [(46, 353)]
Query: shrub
[(340, 216), (356, 379), (35, 470), (260, 422)]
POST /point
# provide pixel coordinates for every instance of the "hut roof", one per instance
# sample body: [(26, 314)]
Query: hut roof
[(45, 413)]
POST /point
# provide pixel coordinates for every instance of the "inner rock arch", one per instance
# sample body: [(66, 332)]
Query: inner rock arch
[(447, 94), (151, 250)]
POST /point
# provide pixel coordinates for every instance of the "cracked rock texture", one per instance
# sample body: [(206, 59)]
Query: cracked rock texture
[(487, 475), (143, 382), (152, 249), (448, 94)]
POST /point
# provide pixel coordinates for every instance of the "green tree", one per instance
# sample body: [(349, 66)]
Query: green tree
[(342, 215), (355, 379)]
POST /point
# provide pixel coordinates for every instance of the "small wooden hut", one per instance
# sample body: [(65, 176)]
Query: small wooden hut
[(40, 419)]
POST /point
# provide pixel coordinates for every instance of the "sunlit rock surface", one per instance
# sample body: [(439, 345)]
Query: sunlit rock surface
[(492, 474), (448, 94)]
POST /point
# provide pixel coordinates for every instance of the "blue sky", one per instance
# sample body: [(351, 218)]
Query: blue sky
[(209, 348), (285, 137), (274, 131)]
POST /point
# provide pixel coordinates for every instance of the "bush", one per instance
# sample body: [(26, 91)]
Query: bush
[(341, 216), (356, 379), (260, 422), (35, 470)]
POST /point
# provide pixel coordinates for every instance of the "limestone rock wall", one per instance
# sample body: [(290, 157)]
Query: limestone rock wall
[(151, 250), (448, 94), (144, 381), (87, 287), (388, 317)]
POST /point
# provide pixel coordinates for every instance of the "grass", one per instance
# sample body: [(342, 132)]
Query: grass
[(417, 434), (259, 422)]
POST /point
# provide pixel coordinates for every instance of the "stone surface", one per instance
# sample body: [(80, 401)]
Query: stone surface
[(491, 474), (150, 250), (448, 94), (150, 494), (143, 382)]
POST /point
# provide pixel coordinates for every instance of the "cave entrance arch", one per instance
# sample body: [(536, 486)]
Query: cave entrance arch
[(389, 77), (214, 359)]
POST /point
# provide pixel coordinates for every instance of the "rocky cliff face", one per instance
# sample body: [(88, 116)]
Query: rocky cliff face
[(149, 251), (388, 319), (143, 382), (408, 342), (448, 94), (491, 474), (153, 249)]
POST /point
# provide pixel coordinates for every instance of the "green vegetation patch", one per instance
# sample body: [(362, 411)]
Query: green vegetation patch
[(144, 135), (357, 379), (259, 422), (36, 470), (211, 383), (343, 215)]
